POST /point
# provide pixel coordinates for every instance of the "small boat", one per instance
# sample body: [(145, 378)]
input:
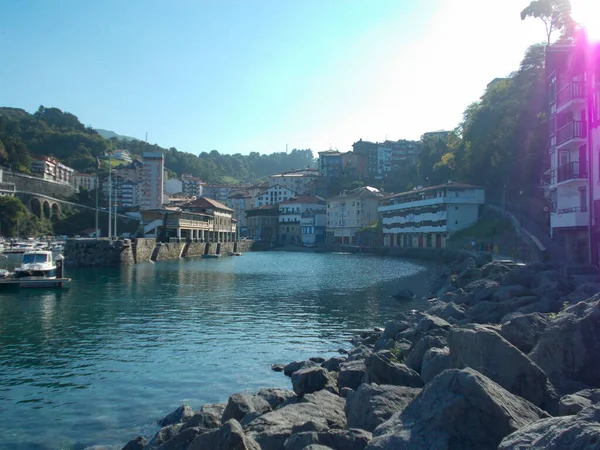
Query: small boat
[(235, 254), (218, 255), (36, 265)]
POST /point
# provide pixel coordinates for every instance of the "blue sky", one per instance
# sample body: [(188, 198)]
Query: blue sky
[(254, 75)]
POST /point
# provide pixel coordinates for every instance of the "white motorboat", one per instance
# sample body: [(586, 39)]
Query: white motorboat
[(36, 265)]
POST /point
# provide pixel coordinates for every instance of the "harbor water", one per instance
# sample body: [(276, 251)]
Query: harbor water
[(100, 362)]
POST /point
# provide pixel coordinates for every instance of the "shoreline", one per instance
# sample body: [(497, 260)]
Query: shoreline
[(339, 402)]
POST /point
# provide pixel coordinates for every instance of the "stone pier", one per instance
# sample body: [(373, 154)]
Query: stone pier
[(105, 252)]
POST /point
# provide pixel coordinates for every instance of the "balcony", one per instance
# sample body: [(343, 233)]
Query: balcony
[(569, 217), (573, 130), (572, 171), (574, 90)]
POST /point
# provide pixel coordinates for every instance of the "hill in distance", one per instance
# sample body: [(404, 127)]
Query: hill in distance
[(107, 134)]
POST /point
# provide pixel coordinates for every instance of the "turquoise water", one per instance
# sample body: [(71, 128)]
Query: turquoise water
[(101, 362)]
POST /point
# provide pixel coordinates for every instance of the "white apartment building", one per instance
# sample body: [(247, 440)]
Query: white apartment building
[(298, 181), (384, 161), (131, 194), (122, 155), (424, 218), (350, 211), (89, 182), (290, 215), (152, 180), (191, 186), (571, 182), (173, 186), (273, 195)]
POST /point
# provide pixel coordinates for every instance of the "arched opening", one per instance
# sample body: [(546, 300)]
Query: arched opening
[(36, 207), (46, 209), (55, 210)]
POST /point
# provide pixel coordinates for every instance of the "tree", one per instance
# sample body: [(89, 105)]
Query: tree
[(12, 214), (556, 15)]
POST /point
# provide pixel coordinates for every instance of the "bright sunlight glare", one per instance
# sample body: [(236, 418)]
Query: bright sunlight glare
[(587, 13)]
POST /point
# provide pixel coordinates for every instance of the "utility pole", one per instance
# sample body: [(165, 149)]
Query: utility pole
[(116, 190), (110, 195), (97, 193)]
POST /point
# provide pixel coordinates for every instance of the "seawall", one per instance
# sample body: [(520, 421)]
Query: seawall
[(105, 252)]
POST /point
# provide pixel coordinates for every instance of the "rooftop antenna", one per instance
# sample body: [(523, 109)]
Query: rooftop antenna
[(286, 148), (146, 137)]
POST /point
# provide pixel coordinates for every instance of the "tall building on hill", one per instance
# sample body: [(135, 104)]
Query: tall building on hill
[(191, 185), (571, 182), (152, 181)]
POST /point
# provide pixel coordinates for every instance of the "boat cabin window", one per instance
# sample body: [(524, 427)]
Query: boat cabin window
[(35, 258)]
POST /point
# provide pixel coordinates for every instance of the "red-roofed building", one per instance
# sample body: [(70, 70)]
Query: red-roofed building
[(224, 225)]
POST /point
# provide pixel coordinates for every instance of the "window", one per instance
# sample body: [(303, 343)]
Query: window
[(583, 198), (456, 222)]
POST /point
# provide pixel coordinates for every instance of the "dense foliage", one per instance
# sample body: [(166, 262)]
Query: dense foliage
[(16, 220), (52, 132)]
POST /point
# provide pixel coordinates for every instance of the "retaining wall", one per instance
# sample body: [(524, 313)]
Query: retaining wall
[(142, 249), (101, 252), (170, 250), (29, 183)]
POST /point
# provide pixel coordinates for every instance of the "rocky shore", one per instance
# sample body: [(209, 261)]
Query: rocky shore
[(507, 357)]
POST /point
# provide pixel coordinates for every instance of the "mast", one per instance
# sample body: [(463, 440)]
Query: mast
[(110, 195)]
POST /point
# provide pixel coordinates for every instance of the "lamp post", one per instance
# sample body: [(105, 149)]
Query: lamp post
[(110, 195)]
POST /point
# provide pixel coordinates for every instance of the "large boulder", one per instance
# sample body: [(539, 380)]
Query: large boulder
[(483, 349), (333, 364), (570, 346), (524, 331), (421, 345), (230, 436), (429, 323), (334, 439), (181, 414), (208, 417), (182, 440), (489, 311), (371, 404), (351, 374), (241, 404), (382, 368), (275, 397), (459, 409), (573, 403), (580, 432), (292, 367), (312, 379), (435, 361), (272, 429)]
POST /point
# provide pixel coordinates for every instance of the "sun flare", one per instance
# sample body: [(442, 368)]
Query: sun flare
[(587, 13)]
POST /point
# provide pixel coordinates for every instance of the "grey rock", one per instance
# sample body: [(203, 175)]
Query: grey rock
[(351, 374), (290, 368), (435, 361), (504, 293), (333, 364), (429, 323), (335, 439), (483, 349), (276, 397), (317, 359), (241, 404), (571, 404), (229, 437), (272, 429), (181, 414), (382, 369), (415, 356), (453, 311), (208, 417), (182, 440), (524, 331), (311, 425), (580, 432), (277, 367), (570, 345), (482, 289), (136, 444), (394, 327), (311, 379), (163, 435), (459, 409), (359, 352), (371, 404), (404, 294)]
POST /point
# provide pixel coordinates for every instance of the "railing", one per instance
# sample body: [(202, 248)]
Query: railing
[(575, 129), (576, 89), (571, 210), (571, 171)]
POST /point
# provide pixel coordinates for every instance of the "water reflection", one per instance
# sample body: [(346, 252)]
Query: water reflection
[(137, 341)]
